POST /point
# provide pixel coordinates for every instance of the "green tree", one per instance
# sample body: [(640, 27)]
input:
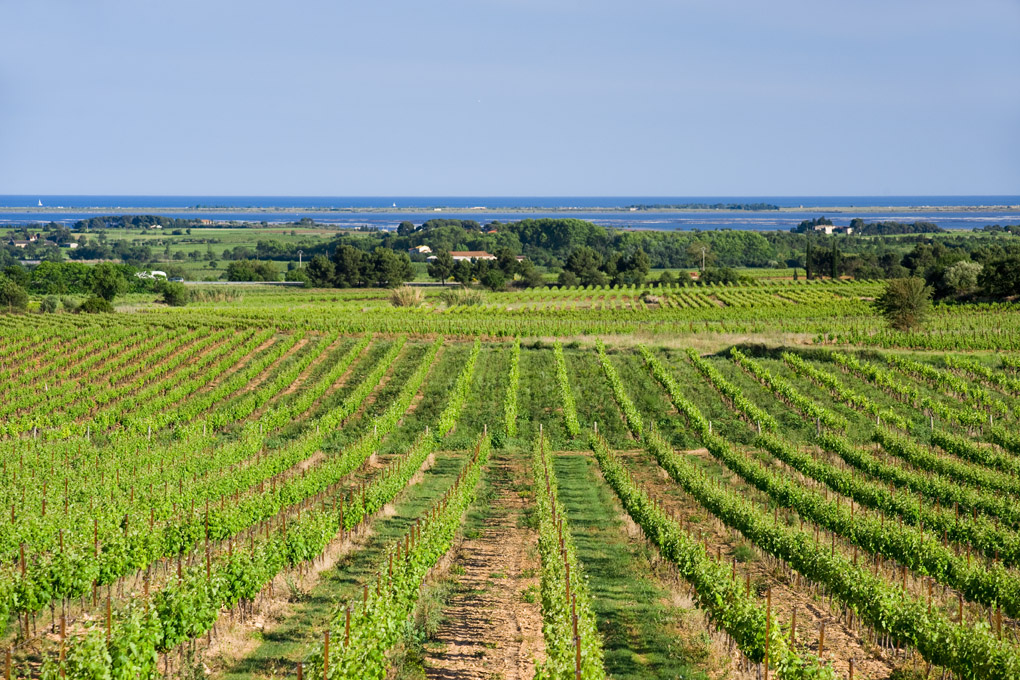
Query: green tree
[(321, 272), (494, 279), (106, 281), (462, 272), (241, 270), (905, 302), (20, 275), (531, 277), (962, 277), (720, 275), (1001, 277), (266, 271), (585, 262), (405, 228), (567, 279), (391, 269), (298, 275), (350, 266), (507, 262), (441, 268), (175, 294), (635, 268), (700, 253), (12, 296)]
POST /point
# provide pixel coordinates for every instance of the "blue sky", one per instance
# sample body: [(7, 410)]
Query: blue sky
[(510, 97)]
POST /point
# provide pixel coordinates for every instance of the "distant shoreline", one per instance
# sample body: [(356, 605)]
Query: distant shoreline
[(523, 210)]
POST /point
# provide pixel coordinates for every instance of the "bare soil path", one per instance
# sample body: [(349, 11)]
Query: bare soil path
[(492, 624)]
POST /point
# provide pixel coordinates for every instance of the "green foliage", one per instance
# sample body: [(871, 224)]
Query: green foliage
[(811, 224), (730, 606), (12, 296), (564, 585), (321, 272), (383, 268), (619, 390), (250, 270), (962, 277), (513, 383), (441, 268), (1001, 276), (905, 303), (380, 622), (787, 392), (747, 408), (298, 275), (107, 281), (49, 304), (459, 393), (494, 280), (715, 275), (175, 294), (566, 396), (95, 305), (586, 264)]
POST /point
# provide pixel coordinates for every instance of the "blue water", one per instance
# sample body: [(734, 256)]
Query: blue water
[(293, 208), (428, 202)]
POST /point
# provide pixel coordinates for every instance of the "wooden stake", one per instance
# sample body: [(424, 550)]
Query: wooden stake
[(325, 656), (768, 627)]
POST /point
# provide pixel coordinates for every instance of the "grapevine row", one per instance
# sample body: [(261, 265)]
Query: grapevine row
[(572, 642)]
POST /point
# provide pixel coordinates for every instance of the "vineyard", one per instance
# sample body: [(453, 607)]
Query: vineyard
[(821, 312), (556, 484)]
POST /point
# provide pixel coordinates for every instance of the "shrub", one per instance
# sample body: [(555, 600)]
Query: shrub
[(406, 296), (95, 305), (743, 553), (175, 294), (49, 304), (462, 296), (70, 304)]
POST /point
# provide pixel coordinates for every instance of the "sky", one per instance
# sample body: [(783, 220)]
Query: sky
[(510, 97)]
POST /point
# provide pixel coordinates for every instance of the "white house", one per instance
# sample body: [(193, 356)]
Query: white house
[(419, 250), (468, 255)]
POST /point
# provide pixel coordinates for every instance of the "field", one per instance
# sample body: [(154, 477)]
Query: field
[(705, 482)]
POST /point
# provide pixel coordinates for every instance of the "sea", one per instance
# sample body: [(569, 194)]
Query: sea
[(386, 212)]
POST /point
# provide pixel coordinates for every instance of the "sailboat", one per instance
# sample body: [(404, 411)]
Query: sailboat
[(40, 203)]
